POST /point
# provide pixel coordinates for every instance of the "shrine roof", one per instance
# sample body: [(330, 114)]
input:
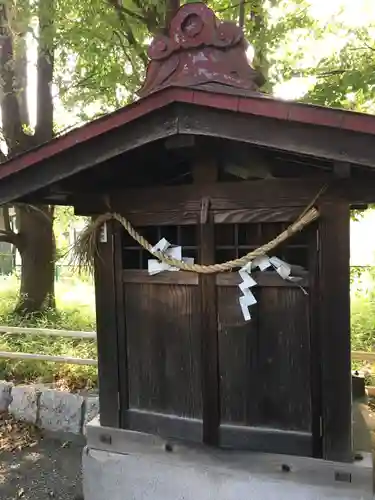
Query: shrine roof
[(201, 63)]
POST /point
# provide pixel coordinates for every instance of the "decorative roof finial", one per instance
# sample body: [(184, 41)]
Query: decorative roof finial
[(200, 51)]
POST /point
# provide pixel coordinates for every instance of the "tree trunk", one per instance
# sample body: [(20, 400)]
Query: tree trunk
[(172, 8), (37, 252)]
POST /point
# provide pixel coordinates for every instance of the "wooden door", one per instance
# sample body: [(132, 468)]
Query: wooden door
[(265, 365), (265, 381)]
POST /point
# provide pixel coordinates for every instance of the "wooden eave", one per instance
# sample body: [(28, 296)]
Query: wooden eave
[(302, 129)]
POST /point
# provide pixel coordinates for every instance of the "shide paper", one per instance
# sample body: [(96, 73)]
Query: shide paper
[(247, 299), (171, 252), (263, 262)]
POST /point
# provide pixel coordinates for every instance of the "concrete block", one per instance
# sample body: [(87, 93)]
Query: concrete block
[(24, 405), (60, 411), (5, 395), (91, 410), (140, 477)]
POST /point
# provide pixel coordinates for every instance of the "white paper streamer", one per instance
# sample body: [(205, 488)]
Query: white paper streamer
[(171, 252), (263, 262)]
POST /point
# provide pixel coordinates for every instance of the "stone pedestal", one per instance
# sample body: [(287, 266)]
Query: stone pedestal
[(120, 464)]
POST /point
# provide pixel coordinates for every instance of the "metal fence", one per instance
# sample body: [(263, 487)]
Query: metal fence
[(46, 357), (356, 355)]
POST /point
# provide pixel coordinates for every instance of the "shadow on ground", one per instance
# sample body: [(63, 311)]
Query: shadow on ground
[(50, 469)]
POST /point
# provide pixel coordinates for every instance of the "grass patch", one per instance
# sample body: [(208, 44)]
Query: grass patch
[(75, 311)]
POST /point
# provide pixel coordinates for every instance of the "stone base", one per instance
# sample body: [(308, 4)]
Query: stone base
[(120, 464)]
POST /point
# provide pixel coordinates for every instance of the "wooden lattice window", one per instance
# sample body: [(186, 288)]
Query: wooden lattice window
[(231, 241), (235, 240), (134, 257)]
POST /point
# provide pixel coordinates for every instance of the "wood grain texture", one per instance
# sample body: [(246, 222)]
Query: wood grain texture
[(107, 330), (264, 364), (301, 138), (163, 349), (334, 321), (209, 338)]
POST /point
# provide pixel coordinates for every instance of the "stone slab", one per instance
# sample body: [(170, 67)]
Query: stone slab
[(133, 463), (60, 411), (5, 395), (143, 476), (24, 405), (91, 410)]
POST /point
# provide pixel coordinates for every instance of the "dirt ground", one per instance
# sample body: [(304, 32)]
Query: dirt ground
[(50, 468)]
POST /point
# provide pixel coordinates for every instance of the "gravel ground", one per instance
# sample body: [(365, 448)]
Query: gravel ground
[(50, 469)]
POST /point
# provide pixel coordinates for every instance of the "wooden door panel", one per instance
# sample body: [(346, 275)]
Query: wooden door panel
[(284, 358), (265, 363), (163, 352)]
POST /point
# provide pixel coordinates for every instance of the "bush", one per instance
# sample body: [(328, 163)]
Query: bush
[(75, 311)]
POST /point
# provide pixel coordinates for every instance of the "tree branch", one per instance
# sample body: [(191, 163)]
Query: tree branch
[(12, 238), (122, 10), (133, 42)]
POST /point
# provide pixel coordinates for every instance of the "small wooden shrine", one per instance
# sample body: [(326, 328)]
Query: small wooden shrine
[(208, 162)]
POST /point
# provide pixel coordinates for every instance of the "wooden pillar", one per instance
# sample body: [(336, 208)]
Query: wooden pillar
[(107, 327), (334, 320), (205, 172)]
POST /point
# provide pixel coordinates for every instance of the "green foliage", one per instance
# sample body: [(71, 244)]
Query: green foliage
[(70, 315), (101, 50), (363, 309)]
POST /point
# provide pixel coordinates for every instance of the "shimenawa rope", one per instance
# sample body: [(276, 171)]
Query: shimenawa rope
[(86, 245)]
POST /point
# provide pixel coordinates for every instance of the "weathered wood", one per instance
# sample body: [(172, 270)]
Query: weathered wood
[(315, 348), (283, 135), (334, 321), (209, 337), (204, 173), (121, 323), (183, 218), (342, 169), (168, 426), (238, 361), (107, 330), (284, 358), (263, 279), (266, 440), (179, 205), (164, 371), (79, 158), (255, 215), (224, 196), (166, 278)]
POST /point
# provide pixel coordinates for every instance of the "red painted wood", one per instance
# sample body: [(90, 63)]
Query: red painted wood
[(272, 108), (264, 106), (314, 115)]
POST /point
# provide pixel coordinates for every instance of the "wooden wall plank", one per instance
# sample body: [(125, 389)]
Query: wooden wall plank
[(209, 337), (284, 353), (238, 360), (230, 279), (163, 349), (334, 308), (107, 330), (315, 339), (300, 138), (121, 324), (224, 196)]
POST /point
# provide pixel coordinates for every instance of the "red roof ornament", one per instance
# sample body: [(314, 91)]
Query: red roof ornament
[(200, 51)]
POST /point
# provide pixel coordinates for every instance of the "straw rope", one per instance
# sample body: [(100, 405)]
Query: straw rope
[(86, 246)]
